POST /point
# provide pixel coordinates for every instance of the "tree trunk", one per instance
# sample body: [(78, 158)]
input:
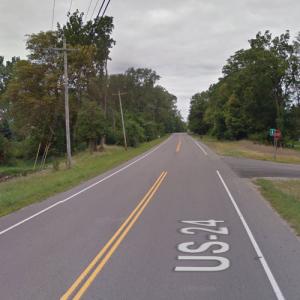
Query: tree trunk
[(92, 145), (102, 143)]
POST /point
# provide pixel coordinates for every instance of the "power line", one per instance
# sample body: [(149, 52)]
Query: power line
[(101, 8), (95, 8), (53, 10), (70, 6), (105, 8), (88, 10)]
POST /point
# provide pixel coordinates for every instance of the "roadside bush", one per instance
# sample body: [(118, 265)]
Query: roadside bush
[(29, 148), (113, 136), (259, 137), (55, 164), (81, 147), (150, 130), (90, 125), (135, 133), (5, 150)]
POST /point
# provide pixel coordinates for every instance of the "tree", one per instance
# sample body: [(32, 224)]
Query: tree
[(6, 73), (198, 107), (135, 133), (5, 150), (147, 103), (6, 70), (256, 91), (35, 102), (96, 33), (33, 92), (90, 124)]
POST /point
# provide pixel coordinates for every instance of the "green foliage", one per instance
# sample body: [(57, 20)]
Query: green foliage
[(32, 112), (235, 121), (134, 132), (95, 34), (255, 93), (5, 150), (282, 198), (197, 122), (6, 70), (90, 125), (151, 130), (112, 136)]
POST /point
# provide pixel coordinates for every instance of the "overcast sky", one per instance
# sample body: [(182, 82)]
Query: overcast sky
[(187, 42)]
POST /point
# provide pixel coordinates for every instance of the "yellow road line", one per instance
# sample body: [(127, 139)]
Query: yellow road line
[(178, 146), (140, 207), (117, 243)]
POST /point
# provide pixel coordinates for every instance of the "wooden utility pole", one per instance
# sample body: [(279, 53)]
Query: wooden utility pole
[(64, 49), (122, 117), (67, 112), (37, 156), (106, 88)]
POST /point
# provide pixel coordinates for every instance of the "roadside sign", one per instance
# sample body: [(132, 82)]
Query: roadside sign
[(272, 131), (277, 134)]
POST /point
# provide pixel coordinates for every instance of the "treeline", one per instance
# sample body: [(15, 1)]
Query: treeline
[(259, 90), (32, 95)]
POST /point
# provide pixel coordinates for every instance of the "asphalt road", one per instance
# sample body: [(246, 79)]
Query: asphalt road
[(175, 223), (248, 168)]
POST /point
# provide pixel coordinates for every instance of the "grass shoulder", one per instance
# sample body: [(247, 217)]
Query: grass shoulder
[(249, 149), (284, 196), (18, 168), (23, 191)]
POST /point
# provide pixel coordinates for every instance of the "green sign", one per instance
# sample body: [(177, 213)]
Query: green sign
[(272, 131)]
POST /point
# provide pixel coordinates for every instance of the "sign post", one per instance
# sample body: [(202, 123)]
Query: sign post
[(276, 134)]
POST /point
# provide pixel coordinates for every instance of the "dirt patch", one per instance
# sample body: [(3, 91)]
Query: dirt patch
[(4, 178)]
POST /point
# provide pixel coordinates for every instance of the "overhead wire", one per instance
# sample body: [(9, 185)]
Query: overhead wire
[(105, 8), (95, 8), (100, 9), (103, 2), (88, 10), (70, 6), (53, 11)]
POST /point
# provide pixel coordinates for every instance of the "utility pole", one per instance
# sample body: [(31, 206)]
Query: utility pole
[(64, 49), (122, 117), (106, 88), (67, 112)]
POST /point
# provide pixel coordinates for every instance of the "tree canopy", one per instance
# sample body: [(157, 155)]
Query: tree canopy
[(32, 94), (259, 90)]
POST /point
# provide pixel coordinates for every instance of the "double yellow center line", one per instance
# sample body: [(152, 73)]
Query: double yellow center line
[(87, 277), (178, 146)]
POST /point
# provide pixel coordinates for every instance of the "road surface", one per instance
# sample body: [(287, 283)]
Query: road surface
[(174, 223), (248, 168)]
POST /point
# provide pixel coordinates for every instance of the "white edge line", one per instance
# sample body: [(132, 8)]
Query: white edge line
[(259, 253), (201, 148), (81, 191)]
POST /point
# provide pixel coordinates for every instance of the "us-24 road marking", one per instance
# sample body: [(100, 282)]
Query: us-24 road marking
[(193, 247)]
